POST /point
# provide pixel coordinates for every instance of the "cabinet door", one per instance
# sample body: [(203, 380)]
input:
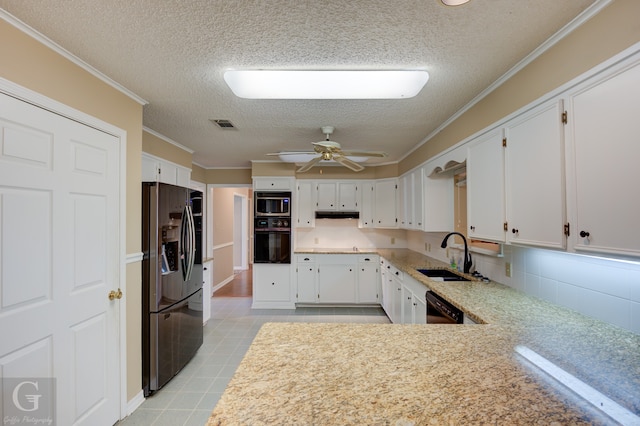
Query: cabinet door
[(407, 306), (304, 200), (485, 187), (368, 279), (326, 196), (272, 183), (168, 173), (150, 170), (385, 286), (347, 196), (419, 310), (404, 201), (336, 283), (183, 177), (367, 204), (396, 299), (534, 166), (386, 203), (605, 137), (271, 283), (306, 272), (417, 199)]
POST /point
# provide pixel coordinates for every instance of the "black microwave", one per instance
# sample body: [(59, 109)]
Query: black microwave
[(273, 204)]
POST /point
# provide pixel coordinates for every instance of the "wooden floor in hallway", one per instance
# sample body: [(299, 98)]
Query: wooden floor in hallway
[(240, 286)]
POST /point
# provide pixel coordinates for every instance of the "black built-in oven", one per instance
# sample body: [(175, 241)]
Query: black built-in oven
[(272, 240), (439, 311), (273, 204)]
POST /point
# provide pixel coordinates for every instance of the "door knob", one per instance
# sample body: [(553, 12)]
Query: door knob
[(115, 294)]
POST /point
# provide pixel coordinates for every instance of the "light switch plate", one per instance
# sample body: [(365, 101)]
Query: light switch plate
[(507, 269)]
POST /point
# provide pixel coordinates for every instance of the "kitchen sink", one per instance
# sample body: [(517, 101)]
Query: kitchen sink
[(442, 275)]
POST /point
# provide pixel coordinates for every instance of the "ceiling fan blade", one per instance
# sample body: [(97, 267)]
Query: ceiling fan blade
[(277, 154), (309, 165), (348, 163), (364, 153)]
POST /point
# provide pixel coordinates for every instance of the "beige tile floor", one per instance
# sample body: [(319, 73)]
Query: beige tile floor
[(189, 398)]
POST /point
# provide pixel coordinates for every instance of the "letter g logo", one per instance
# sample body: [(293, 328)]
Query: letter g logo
[(33, 399)]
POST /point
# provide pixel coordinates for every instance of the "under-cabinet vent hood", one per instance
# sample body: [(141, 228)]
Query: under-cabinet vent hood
[(337, 215)]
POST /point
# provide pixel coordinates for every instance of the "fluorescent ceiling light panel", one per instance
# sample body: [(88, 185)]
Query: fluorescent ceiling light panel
[(291, 84)]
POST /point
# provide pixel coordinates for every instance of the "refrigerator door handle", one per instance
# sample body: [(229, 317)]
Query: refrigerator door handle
[(192, 239), (188, 243)]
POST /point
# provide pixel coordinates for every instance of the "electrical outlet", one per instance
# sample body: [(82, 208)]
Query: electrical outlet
[(427, 247), (393, 240), (507, 269)]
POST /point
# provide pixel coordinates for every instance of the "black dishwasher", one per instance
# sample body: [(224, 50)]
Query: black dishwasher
[(439, 311)]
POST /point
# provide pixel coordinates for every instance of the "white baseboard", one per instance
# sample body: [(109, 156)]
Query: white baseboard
[(135, 402), (222, 284)]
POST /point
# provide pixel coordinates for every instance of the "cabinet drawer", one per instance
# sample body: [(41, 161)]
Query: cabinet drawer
[(272, 183), (305, 258), (368, 258)]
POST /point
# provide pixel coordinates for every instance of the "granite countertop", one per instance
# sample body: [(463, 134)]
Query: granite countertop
[(434, 374)]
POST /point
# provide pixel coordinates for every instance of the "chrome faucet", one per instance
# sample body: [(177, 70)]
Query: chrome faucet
[(467, 255)]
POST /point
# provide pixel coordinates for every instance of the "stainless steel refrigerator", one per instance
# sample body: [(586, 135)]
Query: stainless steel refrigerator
[(171, 281)]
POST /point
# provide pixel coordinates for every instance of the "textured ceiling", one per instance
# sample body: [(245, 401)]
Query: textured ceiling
[(173, 54)]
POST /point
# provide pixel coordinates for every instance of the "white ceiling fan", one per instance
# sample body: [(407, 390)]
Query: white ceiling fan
[(330, 150)]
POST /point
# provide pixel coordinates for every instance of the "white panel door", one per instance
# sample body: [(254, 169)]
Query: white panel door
[(59, 251)]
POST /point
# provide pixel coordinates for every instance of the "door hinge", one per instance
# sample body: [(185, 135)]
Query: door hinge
[(564, 117), (505, 226), (504, 142), (567, 229)]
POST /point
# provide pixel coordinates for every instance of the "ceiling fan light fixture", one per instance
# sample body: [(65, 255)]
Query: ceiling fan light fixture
[(326, 84)]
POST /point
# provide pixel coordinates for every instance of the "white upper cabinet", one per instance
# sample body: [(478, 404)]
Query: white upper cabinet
[(485, 187), (534, 159), (367, 203), (347, 196), (417, 199), (305, 216), (386, 203), (340, 196), (605, 129), (155, 169), (270, 183), (327, 195)]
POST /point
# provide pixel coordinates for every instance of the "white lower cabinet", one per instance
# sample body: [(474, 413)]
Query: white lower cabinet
[(392, 292), (337, 279), (306, 278), (414, 306), (272, 286), (207, 289), (368, 286)]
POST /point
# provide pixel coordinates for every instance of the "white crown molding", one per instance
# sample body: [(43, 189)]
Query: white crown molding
[(166, 139), (68, 55), (587, 14)]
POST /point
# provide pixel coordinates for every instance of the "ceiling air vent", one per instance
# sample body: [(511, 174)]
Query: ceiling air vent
[(224, 124)]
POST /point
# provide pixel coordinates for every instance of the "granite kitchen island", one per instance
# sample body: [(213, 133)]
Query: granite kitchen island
[(393, 374)]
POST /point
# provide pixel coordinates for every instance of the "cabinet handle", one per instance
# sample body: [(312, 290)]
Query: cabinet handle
[(409, 298), (397, 273), (273, 283), (584, 234), (366, 259), (473, 228), (514, 231), (306, 258)]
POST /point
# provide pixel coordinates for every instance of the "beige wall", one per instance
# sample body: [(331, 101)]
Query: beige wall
[(611, 31), (30, 64), (151, 144), (229, 176)]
